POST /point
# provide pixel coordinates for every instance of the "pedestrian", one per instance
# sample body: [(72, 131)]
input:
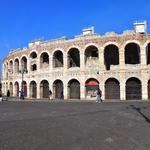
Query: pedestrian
[(21, 94), (8, 94), (98, 96), (50, 95)]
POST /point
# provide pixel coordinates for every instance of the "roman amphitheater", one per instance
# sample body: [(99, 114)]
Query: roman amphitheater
[(119, 64)]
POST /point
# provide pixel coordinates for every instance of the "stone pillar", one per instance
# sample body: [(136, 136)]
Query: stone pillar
[(143, 56), (38, 90), (101, 58), (38, 63), (65, 62), (122, 58), (65, 91), (122, 90), (82, 61), (82, 91), (144, 90)]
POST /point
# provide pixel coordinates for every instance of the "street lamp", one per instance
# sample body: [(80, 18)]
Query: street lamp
[(22, 71)]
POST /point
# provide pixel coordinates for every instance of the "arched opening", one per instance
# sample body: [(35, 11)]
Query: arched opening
[(132, 54), (73, 58), (44, 60), (16, 67), (16, 89), (33, 89), (148, 54), (58, 89), (91, 57), (91, 86), (33, 55), (33, 67), (111, 56), (11, 67), (58, 59), (44, 89), (112, 89), (148, 88), (24, 85), (24, 63), (133, 89), (11, 88), (74, 89)]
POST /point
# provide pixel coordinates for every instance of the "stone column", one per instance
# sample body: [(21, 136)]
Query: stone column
[(38, 90), (65, 91), (82, 91), (122, 58), (144, 90), (122, 89), (82, 61), (65, 62), (101, 58), (143, 56)]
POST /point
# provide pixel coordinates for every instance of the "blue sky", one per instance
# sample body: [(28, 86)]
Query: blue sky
[(22, 21)]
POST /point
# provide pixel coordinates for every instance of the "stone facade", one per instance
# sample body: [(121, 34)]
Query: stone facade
[(74, 68)]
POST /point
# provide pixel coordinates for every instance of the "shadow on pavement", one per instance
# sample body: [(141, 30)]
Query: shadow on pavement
[(138, 109)]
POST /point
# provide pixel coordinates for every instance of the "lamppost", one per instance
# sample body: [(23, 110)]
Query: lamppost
[(22, 71)]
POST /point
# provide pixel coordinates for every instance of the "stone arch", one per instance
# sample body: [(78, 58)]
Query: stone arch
[(58, 90), (16, 86), (73, 58), (16, 65), (11, 66), (111, 56), (58, 59), (44, 89), (91, 86), (148, 53), (112, 89), (33, 55), (132, 53), (24, 86), (74, 89), (33, 89), (24, 63), (11, 88), (133, 89), (44, 60)]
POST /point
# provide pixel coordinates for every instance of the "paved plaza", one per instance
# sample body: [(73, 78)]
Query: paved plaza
[(74, 125)]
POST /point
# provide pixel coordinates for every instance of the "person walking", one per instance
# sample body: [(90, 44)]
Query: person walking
[(50, 95), (98, 96)]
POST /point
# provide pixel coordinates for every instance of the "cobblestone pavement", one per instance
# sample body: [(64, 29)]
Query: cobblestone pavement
[(74, 126)]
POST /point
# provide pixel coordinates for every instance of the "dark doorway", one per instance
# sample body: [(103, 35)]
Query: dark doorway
[(33, 89), (111, 56), (16, 89), (73, 58), (133, 89), (148, 53), (148, 89), (44, 91), (25, 88), (74, 89), (58, 89), (132, 54), (44, 60), (58, 59), (112, 89)]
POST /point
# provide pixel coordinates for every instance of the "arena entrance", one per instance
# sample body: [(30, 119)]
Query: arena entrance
[(44, 89), (11, 88), (58, 89), (112, 89), (33, 89), (16, 86), (133, 89), (91, 86), (58, 59), (24, 88), (74, 89)]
